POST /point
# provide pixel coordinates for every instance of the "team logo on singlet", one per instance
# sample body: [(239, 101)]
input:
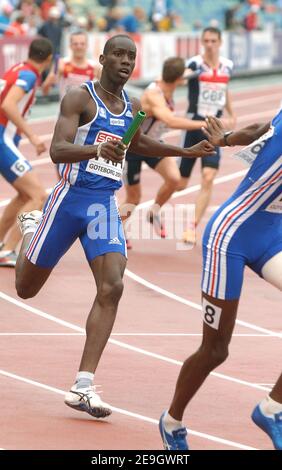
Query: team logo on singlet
[(102, 113), (104, 136)]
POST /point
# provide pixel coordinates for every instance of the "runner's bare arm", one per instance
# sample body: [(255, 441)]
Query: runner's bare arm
[(11, 109), (62, 149), (144, 145), (157, 107), (10, 106), (215, 133), (52, 77)]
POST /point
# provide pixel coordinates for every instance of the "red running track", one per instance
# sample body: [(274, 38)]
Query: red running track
[(41, 339)]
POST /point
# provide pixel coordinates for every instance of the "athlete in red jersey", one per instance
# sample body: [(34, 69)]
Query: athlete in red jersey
[(73, 71), (17, 89)]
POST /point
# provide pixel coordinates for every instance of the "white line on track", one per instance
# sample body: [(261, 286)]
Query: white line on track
[(172, 296), (123, 345), (239, 335), (128, 413)]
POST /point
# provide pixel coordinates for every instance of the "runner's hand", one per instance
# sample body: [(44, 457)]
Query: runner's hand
[(112, 150), (214, 131), (39, 145), (202, 149)]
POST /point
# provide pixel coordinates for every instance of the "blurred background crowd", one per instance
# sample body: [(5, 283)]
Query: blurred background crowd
[(50, 18)]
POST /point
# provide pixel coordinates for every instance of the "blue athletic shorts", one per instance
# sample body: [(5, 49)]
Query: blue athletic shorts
[(228, 248), (186, 164), (73, 212), (12, 162)]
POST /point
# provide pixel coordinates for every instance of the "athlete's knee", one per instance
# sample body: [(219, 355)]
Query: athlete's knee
[(207, 179), (215, 354), (25, 290), (35, 194), (110, 292), (172, 181), (182, 184)]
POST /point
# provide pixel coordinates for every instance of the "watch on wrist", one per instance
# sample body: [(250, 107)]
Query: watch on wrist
[(225, 136)]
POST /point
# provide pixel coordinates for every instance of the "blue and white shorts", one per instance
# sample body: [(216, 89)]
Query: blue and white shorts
[(228, 248), (12, 162), (73, 212)]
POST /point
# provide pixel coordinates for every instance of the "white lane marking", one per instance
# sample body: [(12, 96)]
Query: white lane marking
[(172, 296), (239, 335), (123, 345), (128, 413), (196, 187)]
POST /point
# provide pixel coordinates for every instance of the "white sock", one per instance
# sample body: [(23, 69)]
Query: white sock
[(270, 407), (170, 423), (84, 379)]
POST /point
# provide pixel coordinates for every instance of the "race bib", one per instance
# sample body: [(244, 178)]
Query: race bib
[(249, 154), (101, 166), (275, 206), (20, 167), (212, 98)]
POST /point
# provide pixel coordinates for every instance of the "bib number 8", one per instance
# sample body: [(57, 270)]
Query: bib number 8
[(211, 314)]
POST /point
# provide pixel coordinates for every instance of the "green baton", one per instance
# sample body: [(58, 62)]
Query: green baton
[(134, 126)]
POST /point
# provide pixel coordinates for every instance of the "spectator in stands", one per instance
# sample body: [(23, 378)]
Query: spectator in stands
[(113, 18), (52, 29), (18, 27), (161, 15), (251, 20), (5, 14), (132, 22)]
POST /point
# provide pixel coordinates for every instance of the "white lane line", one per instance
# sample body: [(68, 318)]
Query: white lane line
[(172, 296), (129, 413), (123, 345), (196, 187), (238, 335)]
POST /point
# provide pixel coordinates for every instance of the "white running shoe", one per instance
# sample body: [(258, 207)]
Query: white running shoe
[(86, 399), (29, 221)]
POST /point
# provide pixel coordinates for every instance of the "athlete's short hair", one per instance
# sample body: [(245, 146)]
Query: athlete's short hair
[(212, 29), (173, 68), (78, 32), (110, 42), (40, 49)]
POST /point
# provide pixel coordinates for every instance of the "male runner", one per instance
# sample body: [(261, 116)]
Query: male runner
[(157, 102), (86, 143), (17, 89), (208, 95), (245, 231)]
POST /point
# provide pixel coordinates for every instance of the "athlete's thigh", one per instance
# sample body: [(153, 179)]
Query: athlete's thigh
[(219, 318), (12, 163), (168, 169), (103, 230), (272, 270), (132, 169), (108, 268), (224, 259), (31, 276), (28, 185), (61, 225)]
